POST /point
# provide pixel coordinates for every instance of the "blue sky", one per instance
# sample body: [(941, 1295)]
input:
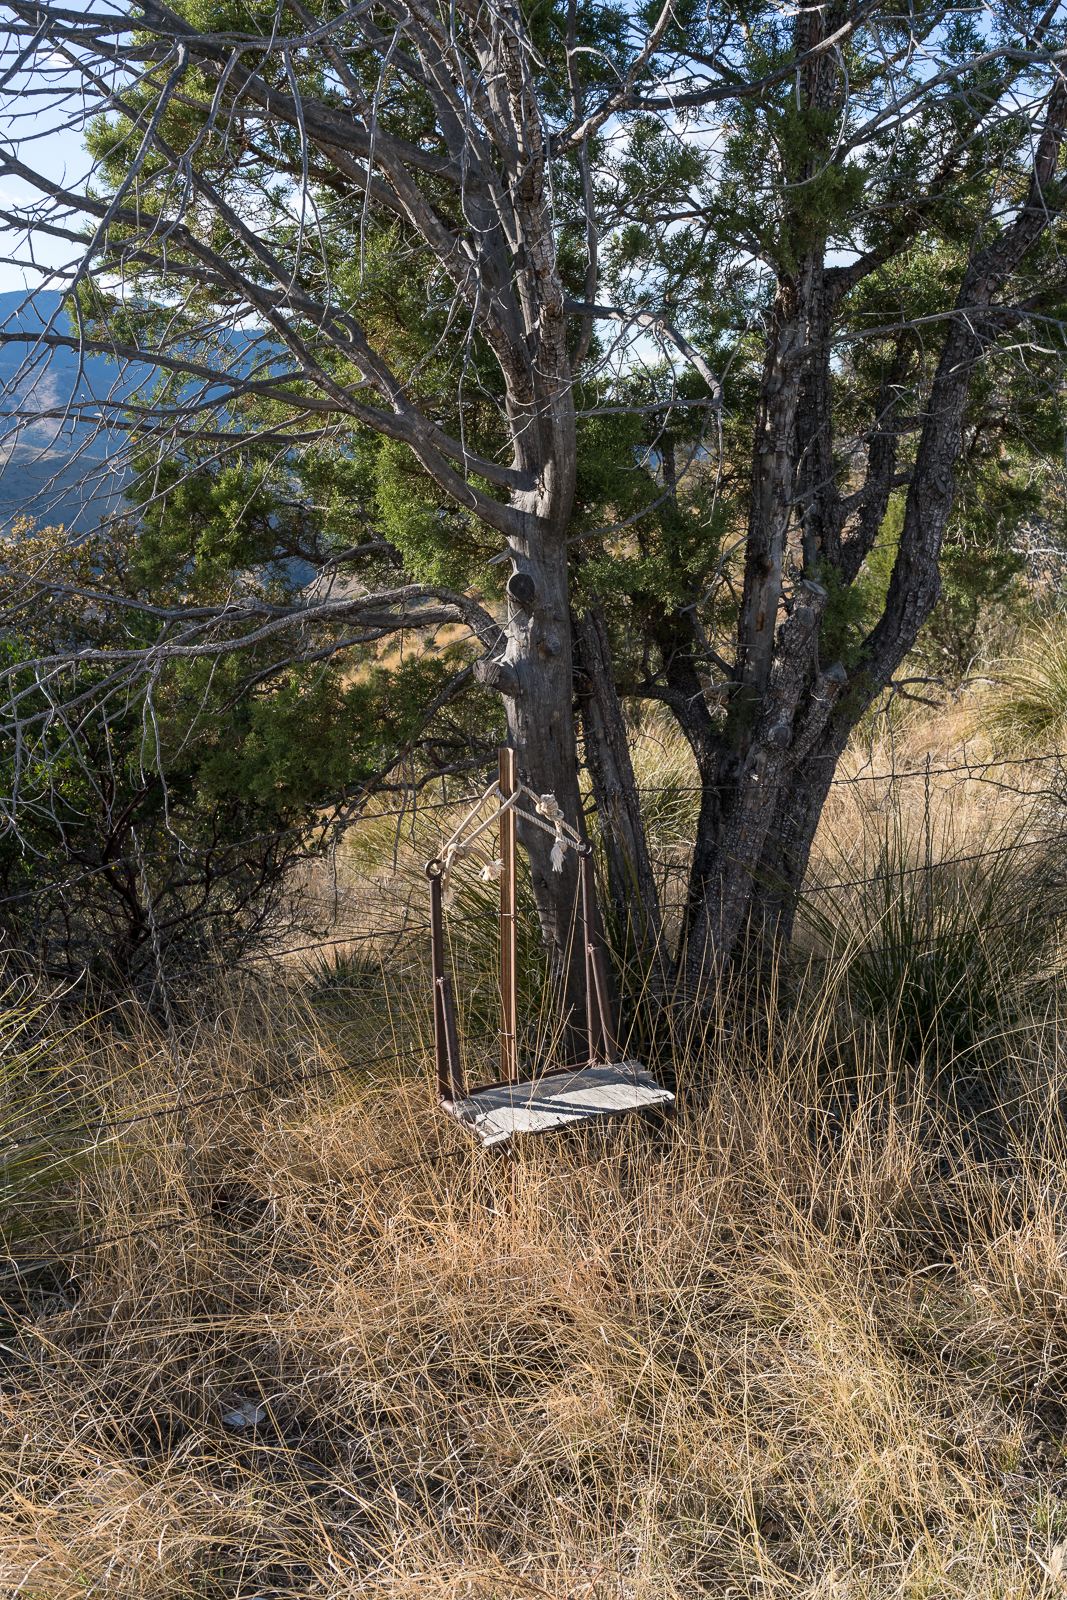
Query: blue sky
[(61, 157)]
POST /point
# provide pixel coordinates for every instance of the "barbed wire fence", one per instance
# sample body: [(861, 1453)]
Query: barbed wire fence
[(1039, 776), (995, 771)]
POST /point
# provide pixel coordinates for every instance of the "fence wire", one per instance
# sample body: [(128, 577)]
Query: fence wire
[(973, 771), (59, 1244)]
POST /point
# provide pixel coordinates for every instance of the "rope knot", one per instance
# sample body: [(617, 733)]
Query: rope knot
[(547, 815), (548, 806)]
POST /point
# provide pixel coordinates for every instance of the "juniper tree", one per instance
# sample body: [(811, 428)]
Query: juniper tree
[(268, 168), (755, 188), (876, 250)]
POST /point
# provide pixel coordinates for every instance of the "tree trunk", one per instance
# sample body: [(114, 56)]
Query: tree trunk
[(787, 819), (634, 893), (535, 676), (786, 850), (773, 663), (535, 673)]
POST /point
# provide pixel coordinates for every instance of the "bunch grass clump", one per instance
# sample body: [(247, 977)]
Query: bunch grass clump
[(946, 937), (1027, 708)]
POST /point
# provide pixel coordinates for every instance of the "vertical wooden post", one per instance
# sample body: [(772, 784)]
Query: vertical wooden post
[(603, 1045), (446, 1039), (592, 1006), (509, 1018)]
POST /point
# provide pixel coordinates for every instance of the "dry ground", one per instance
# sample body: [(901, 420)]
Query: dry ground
[(807, 1338)]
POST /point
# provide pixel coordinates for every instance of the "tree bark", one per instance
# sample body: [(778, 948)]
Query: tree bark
[(541, 729), (789, 725), (535, 672), (633, 888), (915, 584)]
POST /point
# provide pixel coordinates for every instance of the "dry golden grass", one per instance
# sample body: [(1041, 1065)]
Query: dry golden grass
[(806, 1338), (796, 1341), (975, 794), (1027, 705)]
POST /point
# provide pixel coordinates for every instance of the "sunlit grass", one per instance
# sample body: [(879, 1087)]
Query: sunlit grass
[(789, 1338), (1027, 708), (47, 1114), (805, 1338)]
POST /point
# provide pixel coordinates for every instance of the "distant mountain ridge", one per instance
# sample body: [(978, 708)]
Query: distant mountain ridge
[(55, 470)]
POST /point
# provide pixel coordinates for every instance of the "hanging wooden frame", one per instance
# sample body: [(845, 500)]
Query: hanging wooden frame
[(606, 1085)]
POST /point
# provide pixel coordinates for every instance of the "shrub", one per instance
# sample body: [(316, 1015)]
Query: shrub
[(162, 828)]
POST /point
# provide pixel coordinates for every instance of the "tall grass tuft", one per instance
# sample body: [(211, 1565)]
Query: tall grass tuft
[(1028, 705), (45, 1137), (944, 940)]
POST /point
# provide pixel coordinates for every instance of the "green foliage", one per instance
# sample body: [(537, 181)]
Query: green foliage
[(201, 526), (670, 552), (312, 738), (175, 823), (850, 611), (439, 542), (979, 580), (778, 193)]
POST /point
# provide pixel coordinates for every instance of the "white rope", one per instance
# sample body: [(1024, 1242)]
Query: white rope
[(459, 848), (548, 806), (473, 812)]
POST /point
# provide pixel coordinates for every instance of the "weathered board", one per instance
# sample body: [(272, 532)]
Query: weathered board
[(602, 1089)]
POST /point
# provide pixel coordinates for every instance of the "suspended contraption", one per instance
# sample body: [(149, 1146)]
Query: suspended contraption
[(604, 1086)]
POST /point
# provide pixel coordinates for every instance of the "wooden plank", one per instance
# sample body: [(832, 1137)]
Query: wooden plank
[(602, 1089)]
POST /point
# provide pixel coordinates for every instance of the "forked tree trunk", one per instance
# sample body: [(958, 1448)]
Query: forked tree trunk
[(776, 659), (789, 720), (915, 584)]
